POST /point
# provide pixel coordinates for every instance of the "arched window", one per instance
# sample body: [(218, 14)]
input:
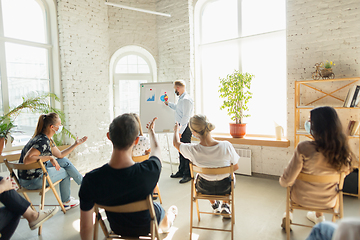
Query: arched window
[(27, 52), (133, 65), (248, 35)]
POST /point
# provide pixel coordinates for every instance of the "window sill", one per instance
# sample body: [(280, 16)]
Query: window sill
[(253, 140), (15, 155)]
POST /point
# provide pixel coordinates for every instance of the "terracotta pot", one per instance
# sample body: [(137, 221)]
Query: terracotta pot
[(237, 130), (2, 143)]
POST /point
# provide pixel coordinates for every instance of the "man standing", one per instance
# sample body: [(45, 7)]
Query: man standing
[(183, 112), (123, 181)]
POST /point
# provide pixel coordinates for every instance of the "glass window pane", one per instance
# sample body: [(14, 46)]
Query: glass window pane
[(132, 64), (143, 69), (141, 61), (132, 68), (132, 59), (26, 62), (265, 57), (129, 96), (123, 60), (219, 21), (218, 60), (271, 13), (24, 19)]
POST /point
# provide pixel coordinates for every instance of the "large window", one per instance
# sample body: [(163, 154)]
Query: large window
[(26, 59), (133, 66), (248, 35)]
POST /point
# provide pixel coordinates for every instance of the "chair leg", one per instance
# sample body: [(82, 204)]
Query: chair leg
[(28, 199), (287, 222), (191, 216), (197, 209), (158, 190), (57, 198)]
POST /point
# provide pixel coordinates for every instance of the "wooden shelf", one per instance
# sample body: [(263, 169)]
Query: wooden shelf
[(254, 140), (299, 131)]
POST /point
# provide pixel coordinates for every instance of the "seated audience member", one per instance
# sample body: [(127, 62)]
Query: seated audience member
[(14, 207), (327, 154), (41, 146), (143, 145), (348, 228), (123, 181), (209, 153)]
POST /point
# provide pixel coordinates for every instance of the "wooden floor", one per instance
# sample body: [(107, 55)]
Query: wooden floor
[(260, 204)]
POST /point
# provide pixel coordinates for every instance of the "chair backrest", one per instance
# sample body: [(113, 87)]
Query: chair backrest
[(335, 178), (127, 208), (140, 158), (22, 166), (212, 171)]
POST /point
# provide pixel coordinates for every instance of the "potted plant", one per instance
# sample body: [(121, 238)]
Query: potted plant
[(35, 103), (327, 72), (235, 88)]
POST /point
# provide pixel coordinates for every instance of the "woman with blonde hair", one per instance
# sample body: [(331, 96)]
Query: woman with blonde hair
[(208, 153), (41, 146), (327, 154)]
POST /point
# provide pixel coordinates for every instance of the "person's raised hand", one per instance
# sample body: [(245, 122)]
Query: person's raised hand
[(151, 124), (81, 140)]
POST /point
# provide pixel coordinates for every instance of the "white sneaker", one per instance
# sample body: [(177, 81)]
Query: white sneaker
[(43, 216), (71, 203), (172, 212), (216, 207), (283, 223), (312, 217), (225, 210)]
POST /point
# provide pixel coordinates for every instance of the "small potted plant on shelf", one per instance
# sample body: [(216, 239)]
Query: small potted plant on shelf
[(326, 72), (35, 103), (235, 88)]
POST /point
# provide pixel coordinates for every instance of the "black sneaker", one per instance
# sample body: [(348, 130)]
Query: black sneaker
[(225, 209), (216, 206)]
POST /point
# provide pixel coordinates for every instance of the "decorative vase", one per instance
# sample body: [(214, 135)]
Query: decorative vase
[(237, 130)]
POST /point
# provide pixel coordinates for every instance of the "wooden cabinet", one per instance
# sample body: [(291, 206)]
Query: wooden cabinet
[(329, 92)]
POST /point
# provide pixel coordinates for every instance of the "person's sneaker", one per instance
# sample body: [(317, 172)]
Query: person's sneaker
[(312, 217), (71, 203), (283, 222), (43, 216), (216, 207), (225, 209), (171, 213)]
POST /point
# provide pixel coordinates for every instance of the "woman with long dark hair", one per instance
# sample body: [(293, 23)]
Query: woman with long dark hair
[(41, 146), (327, 154)]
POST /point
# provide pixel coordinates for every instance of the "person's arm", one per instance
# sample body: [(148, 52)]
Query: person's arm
[(236, 167), (61, 154), (171, 105), (154, 145), (33, 155), (176, 139), (86, 224), (187, 110), (292, 171)]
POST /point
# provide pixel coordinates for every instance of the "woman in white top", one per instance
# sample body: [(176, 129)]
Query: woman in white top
[(143, 145), (211, 154)]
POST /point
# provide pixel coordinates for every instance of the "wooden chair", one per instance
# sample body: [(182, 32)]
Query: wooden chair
[(337, 211), (142, 205), (195, 196), (141, 159), (42, 190)]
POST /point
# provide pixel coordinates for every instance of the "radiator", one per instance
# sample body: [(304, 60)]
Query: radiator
[(244, 161)]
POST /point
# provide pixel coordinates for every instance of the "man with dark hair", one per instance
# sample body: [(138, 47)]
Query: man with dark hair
[(123, 181), (183, 112)]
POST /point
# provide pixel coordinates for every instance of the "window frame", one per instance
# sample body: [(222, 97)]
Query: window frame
[(199, 79), (52, 46)]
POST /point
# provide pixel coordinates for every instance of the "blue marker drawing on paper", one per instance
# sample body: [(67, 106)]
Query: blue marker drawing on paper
[(151, 99)]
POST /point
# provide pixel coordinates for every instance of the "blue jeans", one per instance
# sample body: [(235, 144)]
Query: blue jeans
[(322, 231), (66, 171)]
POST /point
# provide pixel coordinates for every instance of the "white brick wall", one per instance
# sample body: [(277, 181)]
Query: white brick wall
[(128, 27), (84, 57)]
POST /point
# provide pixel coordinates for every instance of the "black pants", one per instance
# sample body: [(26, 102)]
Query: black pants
[(184, 162), (14, 207)]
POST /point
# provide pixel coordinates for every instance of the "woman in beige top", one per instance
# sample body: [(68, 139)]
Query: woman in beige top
[(327, 154)]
